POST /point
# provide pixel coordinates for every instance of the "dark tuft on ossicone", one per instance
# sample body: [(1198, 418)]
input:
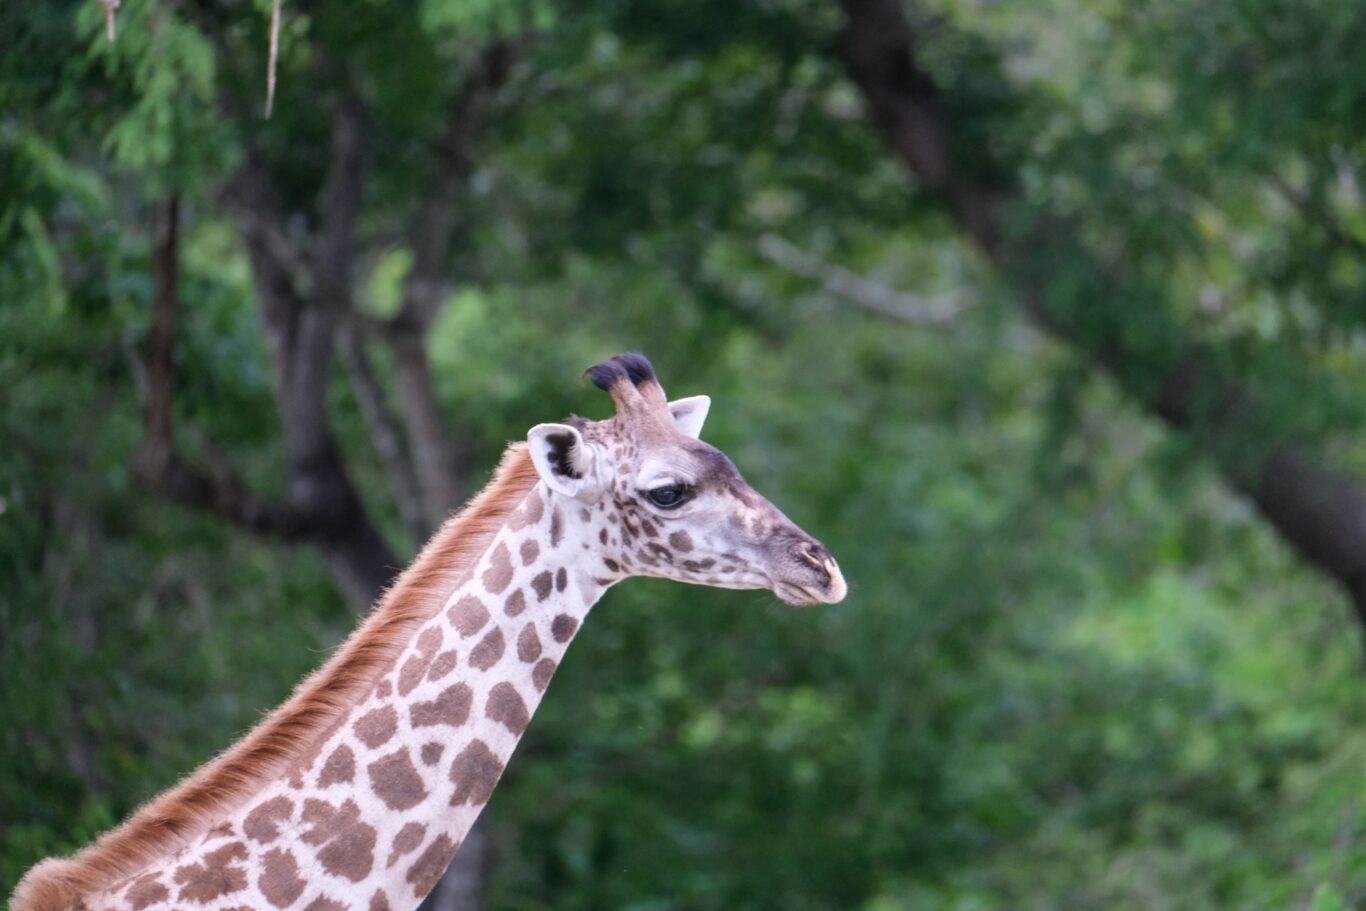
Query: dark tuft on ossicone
[(634, 367), (603, 375), (637, 367)]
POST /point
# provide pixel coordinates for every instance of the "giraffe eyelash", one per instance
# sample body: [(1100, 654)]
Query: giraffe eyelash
[(669, 496)]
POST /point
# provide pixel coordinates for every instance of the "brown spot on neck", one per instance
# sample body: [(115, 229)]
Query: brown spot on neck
[(530, 513), (499, 574), (376, 727), (429, 866), (396, 782), (475, 772), (406, 841), (340, 767), (468, 615), (429, 640), (431, 752), (506, 707), (279, 881), (443, 664), (541, 674), (452, 708), (346, 844), (413, 670), (262, 822), (217, 875), (563, 627), (528, 644), (486, 654), (146, 890)]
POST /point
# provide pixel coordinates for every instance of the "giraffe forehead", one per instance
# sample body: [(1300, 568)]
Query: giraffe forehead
[(687, 461), (660, 469)]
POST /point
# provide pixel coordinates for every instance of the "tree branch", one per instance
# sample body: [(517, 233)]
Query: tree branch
[(302, 297), (1320, 512), (273, 56), (908, 109), (339, 205), (851, 286), (165, 280), (385, 436), (301, 302), (1316, 211), (429, 235), (442, 466), (157, 464)]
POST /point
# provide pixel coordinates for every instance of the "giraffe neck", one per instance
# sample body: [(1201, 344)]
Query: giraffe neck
[(465, 690), (370, 816)]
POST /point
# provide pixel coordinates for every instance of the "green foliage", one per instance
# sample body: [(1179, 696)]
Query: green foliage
[(170, 128), (1074, 670)]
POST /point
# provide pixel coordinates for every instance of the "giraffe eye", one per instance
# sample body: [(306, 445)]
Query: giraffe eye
[(670, 496)]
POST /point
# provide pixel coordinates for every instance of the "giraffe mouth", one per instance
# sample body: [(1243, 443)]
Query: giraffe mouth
[(796, 595)]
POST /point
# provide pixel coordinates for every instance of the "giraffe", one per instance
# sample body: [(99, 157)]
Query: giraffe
[(356, 793)]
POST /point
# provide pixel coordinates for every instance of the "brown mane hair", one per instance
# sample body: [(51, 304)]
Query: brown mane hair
[(224, 784)]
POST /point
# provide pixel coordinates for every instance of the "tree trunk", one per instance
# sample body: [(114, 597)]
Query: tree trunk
[(438, 466)]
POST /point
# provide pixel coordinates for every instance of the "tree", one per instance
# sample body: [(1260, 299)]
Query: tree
[(301, 230), (1076, 669), (1107, 309)]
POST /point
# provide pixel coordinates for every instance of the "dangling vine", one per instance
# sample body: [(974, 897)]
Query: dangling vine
[(111, 7)]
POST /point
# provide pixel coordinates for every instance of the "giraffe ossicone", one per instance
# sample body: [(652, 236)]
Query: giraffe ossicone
[(357, 792)]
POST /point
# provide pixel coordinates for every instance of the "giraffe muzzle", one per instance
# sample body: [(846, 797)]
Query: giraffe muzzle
[(814, 579)]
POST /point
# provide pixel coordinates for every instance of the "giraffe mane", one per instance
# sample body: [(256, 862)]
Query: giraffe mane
[(170, 820)]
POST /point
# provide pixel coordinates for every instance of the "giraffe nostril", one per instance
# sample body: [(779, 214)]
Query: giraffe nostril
[(813, 554)]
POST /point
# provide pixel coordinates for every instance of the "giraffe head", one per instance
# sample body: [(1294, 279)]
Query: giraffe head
[(673, 506)]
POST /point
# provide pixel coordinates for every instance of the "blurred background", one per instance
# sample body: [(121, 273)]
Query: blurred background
[(1047, 317)]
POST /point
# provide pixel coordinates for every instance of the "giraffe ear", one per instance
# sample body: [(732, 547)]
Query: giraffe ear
[(690, 413), (564, 461)]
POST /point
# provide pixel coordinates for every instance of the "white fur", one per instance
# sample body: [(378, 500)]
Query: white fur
[(690, 414)]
